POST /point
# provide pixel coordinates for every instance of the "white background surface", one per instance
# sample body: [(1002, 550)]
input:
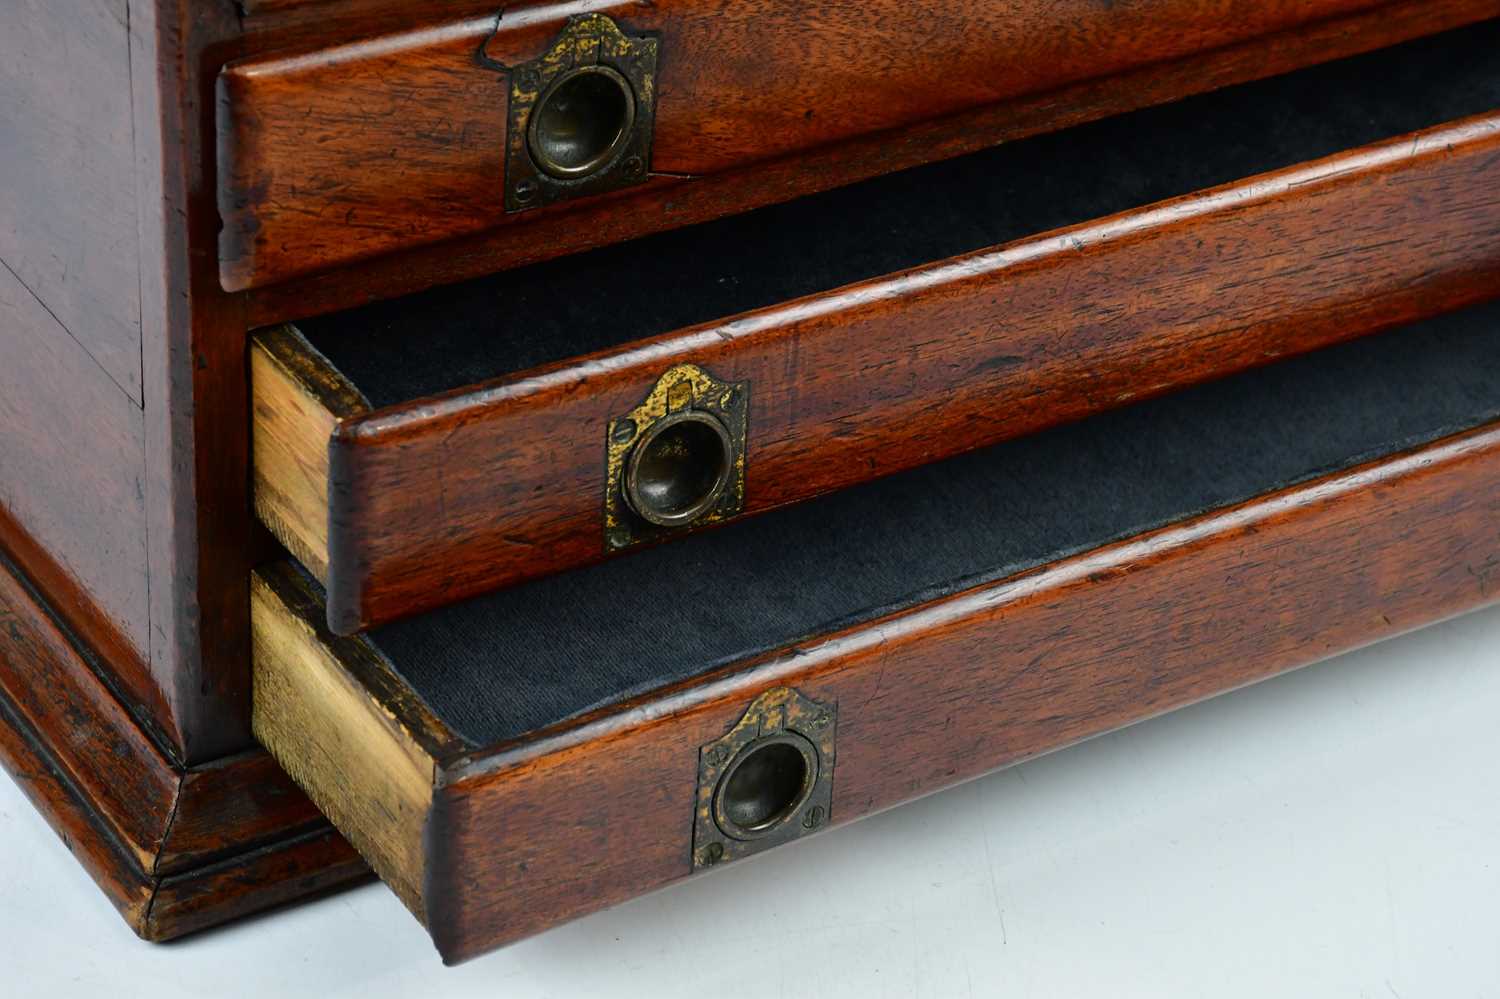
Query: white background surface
[(1334, 832)]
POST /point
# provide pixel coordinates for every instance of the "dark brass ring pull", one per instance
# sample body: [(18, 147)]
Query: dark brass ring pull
[(765, 785), (767, 781), (581, 122), (679, 468), (675, 462), (582, 115)]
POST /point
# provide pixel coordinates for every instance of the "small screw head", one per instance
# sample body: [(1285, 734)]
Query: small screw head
[(526, 191), (528, 79), (635, 166), (713, 853), (813, 818), (624, 431), (619, 537)]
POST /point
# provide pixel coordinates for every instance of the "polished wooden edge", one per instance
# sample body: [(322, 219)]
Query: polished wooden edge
[(347, 577), (1473, 135), (174, 849), (258, 8), (199, 539), (573, 229), (962, 686), (111, 863), (302, 867), (231, 806), (298, 467), (281, 26)]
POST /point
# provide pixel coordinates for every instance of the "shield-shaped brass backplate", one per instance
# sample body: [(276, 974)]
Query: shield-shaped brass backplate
[(768, 781), (675, 462), (582, 116)]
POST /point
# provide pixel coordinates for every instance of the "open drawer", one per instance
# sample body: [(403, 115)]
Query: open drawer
[(421, 451), (532, 755)]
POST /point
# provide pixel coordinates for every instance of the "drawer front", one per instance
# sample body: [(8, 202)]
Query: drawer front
[(336, 155), (417, 506), (489, 845)]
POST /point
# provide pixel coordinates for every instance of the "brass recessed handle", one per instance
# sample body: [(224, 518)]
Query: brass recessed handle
[(679, 468), (582, 116), (582, 122), (768, 780), (765, 786), (676, 461)]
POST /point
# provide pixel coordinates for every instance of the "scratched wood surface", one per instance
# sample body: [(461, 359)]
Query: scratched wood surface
[(347, 151)]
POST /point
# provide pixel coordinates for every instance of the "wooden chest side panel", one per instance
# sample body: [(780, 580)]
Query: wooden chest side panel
[(67, 173), (940, 694), (72, 461), (340, 154)]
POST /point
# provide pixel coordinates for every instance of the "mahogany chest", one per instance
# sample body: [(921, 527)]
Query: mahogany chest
[(544, 453)]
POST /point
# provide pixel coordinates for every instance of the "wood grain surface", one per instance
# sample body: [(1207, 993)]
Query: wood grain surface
[(72, 469), (555, 232), (570, 820), (347, 151), (67, 157), (444, 498), (200, 534), (122, 388)]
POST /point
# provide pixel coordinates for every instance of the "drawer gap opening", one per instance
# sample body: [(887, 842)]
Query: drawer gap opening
[(499, 327), (510, 663)]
